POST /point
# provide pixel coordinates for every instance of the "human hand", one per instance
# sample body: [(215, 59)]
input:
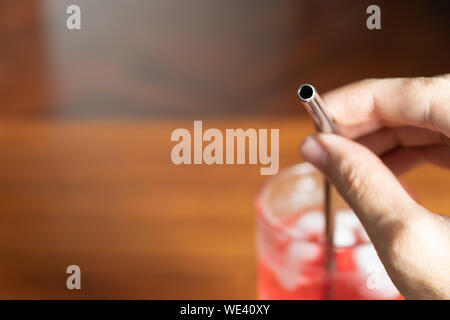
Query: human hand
[(396, 124)]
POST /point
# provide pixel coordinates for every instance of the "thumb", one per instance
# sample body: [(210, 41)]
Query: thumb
[(365, 183)]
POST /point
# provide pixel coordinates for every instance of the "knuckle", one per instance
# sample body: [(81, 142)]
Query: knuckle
[(427, 85), (421, 97), (425, 82)]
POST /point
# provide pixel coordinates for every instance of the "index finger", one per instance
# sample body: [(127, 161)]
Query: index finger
[(364, 106)]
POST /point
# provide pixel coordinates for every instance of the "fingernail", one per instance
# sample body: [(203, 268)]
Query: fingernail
[(312, 151)]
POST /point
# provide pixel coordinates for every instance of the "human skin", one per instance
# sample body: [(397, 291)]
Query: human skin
[(388, 127)]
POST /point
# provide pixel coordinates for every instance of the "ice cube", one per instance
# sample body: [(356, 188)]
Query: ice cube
[(287, 278), (289, 272), (303, 251), (346, 218), (312, 222), (344, 237)]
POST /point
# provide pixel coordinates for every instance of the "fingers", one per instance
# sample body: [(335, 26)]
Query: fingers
[(367, 105), (402, 160), (387, 139), (409, 240), (366, 184), (404, 148)]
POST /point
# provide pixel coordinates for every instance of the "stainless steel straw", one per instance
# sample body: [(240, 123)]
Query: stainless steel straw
[(323, 123), (316, 108)]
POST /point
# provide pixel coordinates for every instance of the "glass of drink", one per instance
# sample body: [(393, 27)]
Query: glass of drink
[(292, 250)]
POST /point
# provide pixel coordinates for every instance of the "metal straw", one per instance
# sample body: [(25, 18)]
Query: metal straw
[(323, 123)]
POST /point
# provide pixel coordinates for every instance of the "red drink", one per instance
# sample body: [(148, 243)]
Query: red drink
[(291, 248)]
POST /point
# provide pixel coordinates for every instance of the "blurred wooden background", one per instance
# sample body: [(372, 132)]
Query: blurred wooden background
[(86, 118)]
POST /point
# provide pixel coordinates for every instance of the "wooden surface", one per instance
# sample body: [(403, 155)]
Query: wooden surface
[(86, 118), (104, 195)]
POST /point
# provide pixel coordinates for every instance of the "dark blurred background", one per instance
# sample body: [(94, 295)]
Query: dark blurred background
[(198, 58), (86, 117)]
